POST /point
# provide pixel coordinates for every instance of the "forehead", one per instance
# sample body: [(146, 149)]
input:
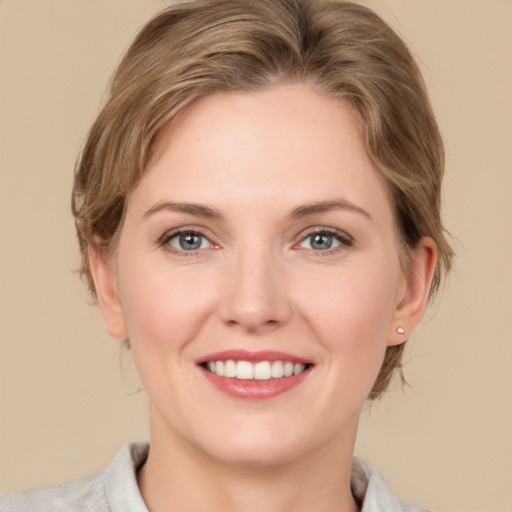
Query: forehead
[(287, 142)]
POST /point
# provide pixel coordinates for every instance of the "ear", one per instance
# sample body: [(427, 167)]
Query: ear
[(105, 284), (414, 295)]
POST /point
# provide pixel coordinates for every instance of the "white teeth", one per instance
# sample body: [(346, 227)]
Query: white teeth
[(230, 369), (298, 368), (244, 370), (277, 370), (263, 370)]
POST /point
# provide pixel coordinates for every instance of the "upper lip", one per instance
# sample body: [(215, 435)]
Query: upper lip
[(252, 356)]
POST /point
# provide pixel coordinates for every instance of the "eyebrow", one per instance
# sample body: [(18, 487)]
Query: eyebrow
[(300, 212), (327, 206), (197, 210)]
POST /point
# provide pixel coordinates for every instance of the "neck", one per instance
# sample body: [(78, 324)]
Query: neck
[(179, 477)]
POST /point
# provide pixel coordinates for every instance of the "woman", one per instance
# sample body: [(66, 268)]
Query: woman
[(258, 210)]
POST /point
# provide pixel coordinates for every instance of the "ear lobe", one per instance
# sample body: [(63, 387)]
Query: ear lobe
[(106, 291), (410, 309)]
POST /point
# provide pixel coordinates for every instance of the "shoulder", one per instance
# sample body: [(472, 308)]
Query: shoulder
[(110, 490), (371, 490), (83, 494)]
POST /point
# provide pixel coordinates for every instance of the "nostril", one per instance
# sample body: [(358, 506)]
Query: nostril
[(255, 301)]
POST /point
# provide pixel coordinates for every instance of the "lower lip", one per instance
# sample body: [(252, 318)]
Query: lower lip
[(255, 389)]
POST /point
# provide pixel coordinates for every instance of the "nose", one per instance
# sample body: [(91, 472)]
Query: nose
[(256, 297)]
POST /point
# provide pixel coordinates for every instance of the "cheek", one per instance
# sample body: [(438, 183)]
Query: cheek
[(353, 302), (164, 314), (351, 320), (163, 309)]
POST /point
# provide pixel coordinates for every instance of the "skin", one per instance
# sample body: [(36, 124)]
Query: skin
[(257, 162)]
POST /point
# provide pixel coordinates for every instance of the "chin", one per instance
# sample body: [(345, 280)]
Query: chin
[(264, 442), (259, 452)]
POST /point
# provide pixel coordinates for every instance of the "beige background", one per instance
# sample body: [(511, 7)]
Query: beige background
[(68, 401)]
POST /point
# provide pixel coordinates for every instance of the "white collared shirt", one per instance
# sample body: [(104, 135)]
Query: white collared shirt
[(115, 489)]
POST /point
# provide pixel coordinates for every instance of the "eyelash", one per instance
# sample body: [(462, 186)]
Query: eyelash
[(343, 238), (170, 235)]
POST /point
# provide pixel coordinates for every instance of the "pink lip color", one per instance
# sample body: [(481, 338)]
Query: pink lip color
[(253, 389), (252, 357)]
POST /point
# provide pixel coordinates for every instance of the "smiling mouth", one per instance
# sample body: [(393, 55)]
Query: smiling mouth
[(262, 370)]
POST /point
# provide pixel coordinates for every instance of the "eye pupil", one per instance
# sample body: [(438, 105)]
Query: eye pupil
[(321, 241), (190, 241)]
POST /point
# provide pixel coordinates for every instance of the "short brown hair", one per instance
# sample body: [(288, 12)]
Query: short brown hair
[(196, 48)]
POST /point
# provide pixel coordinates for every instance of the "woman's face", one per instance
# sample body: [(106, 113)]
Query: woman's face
[(260, 241)]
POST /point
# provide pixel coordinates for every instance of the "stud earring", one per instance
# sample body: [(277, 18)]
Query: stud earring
[(400, 330)]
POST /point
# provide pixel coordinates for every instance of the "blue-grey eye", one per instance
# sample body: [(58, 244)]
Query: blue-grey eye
[(321, 242), (189, 241)]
